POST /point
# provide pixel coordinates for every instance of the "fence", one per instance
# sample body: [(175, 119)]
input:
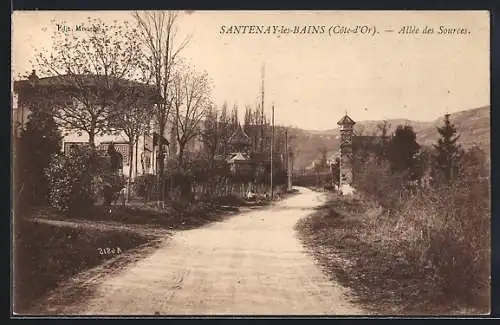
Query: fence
[(146, 188), (313, 179)]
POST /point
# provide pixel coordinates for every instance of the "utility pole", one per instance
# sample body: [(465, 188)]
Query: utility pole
[(272, 148), (262, 109), (289, 166), (286, 149)]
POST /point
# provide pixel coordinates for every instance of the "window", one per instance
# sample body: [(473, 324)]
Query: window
[(69, 146), (121, 147)]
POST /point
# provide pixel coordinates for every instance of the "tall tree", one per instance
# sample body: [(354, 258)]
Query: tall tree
[(248, 120), (403, 150), (235, 121), (191, 100), (224, 129), (447, 151), (38, 142), (158, 34), (323, 158), (136, 111), (383, 147), (210, 134), (91, 72)]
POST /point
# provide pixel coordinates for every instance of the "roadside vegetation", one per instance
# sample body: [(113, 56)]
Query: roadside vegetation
[(68, 204), (415, 238)]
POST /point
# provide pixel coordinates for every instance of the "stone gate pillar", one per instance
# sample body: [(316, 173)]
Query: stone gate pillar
[(346, 158)]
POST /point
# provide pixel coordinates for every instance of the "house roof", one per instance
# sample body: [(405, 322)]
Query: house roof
[(69, 81), (237, 157), (156, 137), (346, 120)]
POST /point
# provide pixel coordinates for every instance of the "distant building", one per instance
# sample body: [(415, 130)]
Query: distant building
[(239, 152), (244, 158)]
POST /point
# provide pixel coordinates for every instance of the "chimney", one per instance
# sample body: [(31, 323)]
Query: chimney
[(33, 78)]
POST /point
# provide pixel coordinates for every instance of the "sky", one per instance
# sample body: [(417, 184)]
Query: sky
[(314, 79)]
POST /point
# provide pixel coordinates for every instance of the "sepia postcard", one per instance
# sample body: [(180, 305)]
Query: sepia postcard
[(250, 163)]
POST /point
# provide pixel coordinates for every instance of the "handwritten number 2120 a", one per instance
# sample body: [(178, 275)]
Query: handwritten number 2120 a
[(109, 251)]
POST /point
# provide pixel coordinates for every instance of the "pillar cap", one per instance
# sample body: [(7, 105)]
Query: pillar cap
[(346, 120)]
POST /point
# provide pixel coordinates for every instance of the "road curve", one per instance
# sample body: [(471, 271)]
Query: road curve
[(250, 264)]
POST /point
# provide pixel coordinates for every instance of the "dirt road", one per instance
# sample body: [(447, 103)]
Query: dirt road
[(251, 264)]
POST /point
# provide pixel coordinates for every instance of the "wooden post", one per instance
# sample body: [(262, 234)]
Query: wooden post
[(288, 162), (272, 147)]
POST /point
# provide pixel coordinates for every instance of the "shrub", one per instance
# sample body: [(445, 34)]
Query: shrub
[(460, 244), (39, 141), (377, 181), (144, 185), (111, 185), (76, 180), (444, 233)]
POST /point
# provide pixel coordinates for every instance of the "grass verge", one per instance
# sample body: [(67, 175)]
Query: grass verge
[(342, 236), (48, 253), (45, 255)]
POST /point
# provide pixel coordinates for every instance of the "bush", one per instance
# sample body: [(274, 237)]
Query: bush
[(459, 243), (376, 180), (442, 231), (144, 185), (77, 180), (39, 141)]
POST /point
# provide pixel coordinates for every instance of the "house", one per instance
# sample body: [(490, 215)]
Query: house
[(47, 92), (243, 158), (239, 152)]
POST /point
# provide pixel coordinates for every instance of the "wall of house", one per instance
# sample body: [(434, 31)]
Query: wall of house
[(143, 158), (20, 113), (20, 116)]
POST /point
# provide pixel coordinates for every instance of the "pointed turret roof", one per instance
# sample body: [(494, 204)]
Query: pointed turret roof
[(346, 120), (239, 137)]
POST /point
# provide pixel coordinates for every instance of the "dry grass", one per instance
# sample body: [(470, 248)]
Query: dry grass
[(49, 247), (46, 255), (430, 256)]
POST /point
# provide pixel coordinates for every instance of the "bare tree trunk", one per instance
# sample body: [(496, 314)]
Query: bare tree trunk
[(92, 139), (181, 155), (136, 154), (130, 168), (161, 163)]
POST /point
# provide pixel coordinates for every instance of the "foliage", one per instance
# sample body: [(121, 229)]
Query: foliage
[(447, 152), (90, 69), (225, 130), (210, 135), (442, 231), (335, 171), (78, 179), (144, 185), (71, 183), (158, 37), (191, 100), (382, 150), (324, 157), (402, 151), (39, 141), (136, 112), (378, 181), (474, 164)]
